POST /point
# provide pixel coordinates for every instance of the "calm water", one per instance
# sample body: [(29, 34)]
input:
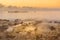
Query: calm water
[(51, 15)]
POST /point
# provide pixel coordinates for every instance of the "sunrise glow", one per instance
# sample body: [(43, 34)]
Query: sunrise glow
[(32, 3)]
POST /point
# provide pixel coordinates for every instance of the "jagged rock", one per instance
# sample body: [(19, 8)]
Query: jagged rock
[(30, 30)]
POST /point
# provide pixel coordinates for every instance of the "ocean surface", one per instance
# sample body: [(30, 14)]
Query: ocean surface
[(51, 15)]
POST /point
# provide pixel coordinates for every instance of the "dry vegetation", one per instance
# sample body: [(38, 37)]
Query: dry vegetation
[(29, 30)]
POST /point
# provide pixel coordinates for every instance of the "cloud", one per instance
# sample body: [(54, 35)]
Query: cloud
[(32, 3)]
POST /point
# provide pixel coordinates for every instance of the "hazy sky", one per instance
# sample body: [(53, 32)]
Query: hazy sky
[(33, 3)]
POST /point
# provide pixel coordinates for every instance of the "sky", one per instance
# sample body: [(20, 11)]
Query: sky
[(32, 3)]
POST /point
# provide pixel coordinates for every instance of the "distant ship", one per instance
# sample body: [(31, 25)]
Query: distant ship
[(17, 11)]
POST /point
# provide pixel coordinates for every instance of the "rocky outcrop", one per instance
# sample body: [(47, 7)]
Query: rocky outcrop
[(31, 30)]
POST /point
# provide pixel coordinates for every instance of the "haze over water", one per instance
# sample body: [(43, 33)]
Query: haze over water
[(50, 15)]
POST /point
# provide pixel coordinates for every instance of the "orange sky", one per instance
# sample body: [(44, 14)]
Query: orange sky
[(33, 3)]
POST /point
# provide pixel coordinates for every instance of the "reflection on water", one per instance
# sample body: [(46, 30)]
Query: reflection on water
[(28, 15)]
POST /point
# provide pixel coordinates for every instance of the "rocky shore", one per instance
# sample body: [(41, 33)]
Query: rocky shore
[(29, 29)]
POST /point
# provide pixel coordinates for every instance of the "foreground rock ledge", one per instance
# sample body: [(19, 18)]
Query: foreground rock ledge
[(43, 31)]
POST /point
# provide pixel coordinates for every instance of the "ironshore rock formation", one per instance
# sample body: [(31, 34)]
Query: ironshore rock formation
[(31, 30)]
